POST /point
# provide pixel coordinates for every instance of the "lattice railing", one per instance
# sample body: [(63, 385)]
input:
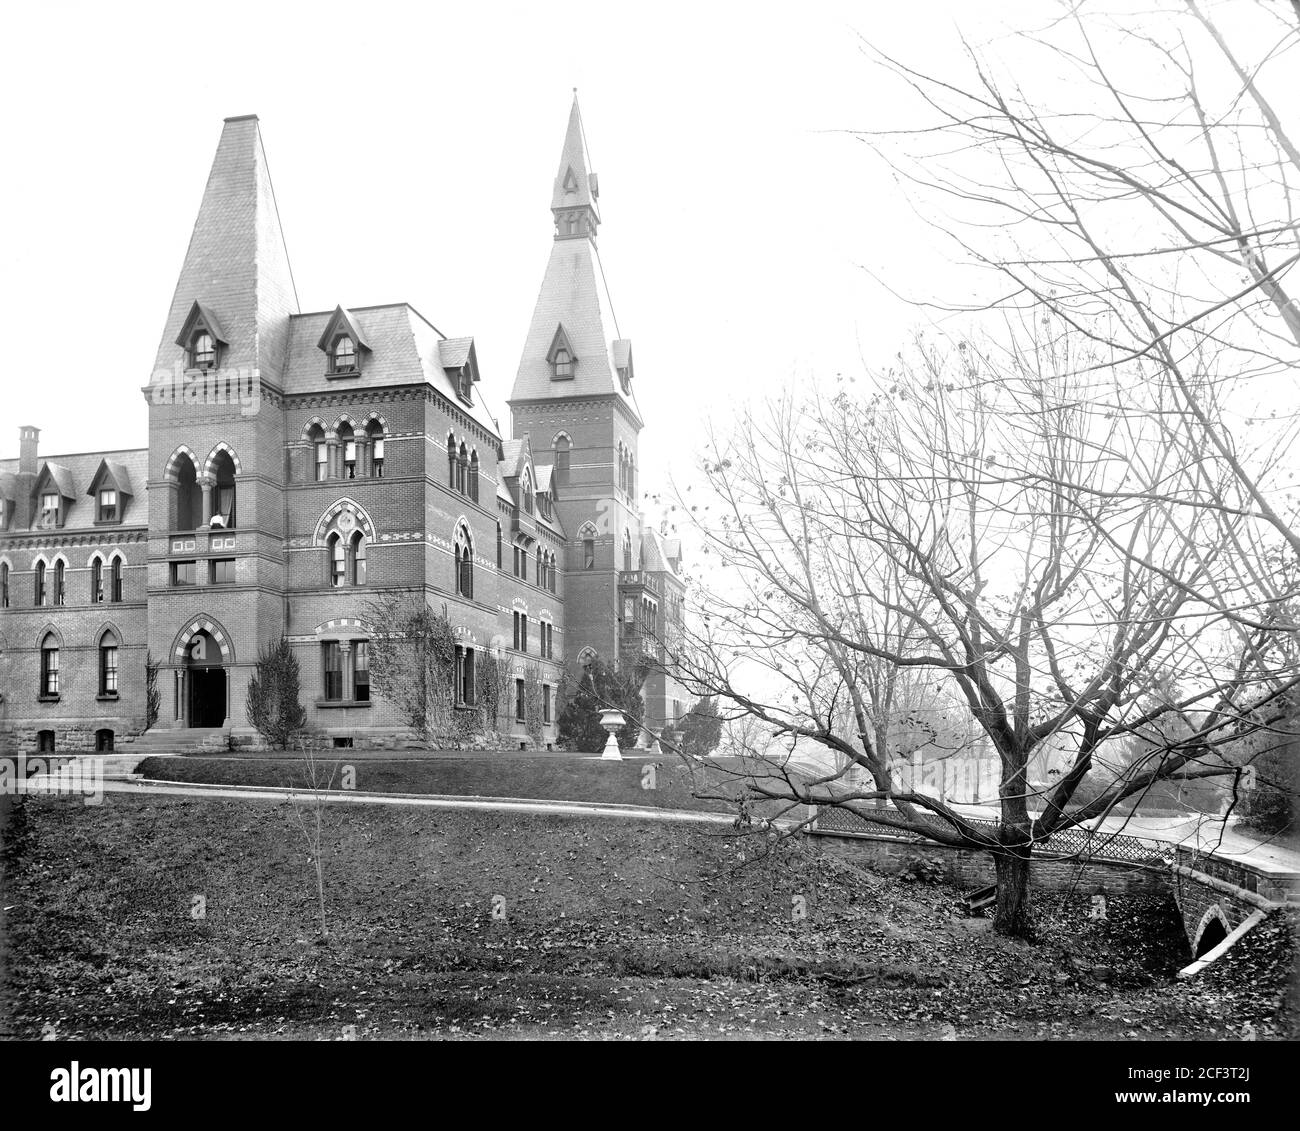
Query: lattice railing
[(1070, 842)]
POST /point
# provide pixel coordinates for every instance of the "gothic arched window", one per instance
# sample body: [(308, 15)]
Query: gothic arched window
[(464, 549)]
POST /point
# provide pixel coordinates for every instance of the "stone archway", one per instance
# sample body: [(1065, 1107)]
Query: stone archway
[(202, 656), (1213, 930)]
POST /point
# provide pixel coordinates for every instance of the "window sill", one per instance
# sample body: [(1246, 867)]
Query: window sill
[(107, 697), (343, 375), (330, 704), (47, 698)]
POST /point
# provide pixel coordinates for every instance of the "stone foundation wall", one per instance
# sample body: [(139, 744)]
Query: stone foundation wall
[(969, 868)]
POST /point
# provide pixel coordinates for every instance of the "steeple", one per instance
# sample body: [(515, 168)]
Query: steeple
[(576, 191), (236, 271), (573, 348)]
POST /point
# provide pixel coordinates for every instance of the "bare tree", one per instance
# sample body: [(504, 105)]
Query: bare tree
[(993, 529), (309, 813), (412, 659), (1145, 189)]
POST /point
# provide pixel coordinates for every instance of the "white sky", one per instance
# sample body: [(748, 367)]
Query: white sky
[(413, 148)]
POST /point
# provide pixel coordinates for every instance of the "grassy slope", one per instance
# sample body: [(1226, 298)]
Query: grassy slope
[(549, 778), (611, 929)]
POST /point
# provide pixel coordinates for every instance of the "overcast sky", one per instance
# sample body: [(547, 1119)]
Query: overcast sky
[(413, 147)]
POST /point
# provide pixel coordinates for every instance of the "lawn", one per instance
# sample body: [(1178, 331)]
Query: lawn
[(662, 782), (169, 917)]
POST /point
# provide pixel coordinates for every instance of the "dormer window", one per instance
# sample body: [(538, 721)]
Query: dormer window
[(625, 379), (108, 505), (464, 384), (203, 351), (343, 357), (561, 356), (50, 509), (201, 338)]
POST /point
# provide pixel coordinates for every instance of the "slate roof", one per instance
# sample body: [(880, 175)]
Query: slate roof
[(573, 157), (116, 471), (454, 352), (574, 295), (77, 471), (655, 553), (236, 265), (404, 349)]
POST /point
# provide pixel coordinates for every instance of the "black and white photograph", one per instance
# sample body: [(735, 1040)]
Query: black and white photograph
[(606, 523)]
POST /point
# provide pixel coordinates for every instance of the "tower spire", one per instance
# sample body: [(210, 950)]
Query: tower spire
[(573, 202), (573, 348), (236, 271)]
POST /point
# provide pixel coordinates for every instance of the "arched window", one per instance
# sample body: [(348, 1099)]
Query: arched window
[(562, 449), (60, 588), (357, 553), (4, 585), (223, 493), (622, 470), (338, 559), (464, 562), (541, 567), (631, 475), (344, 357), (589, 553), (528, 492), (50, 665), (115, 581), (627, 552), (348, 441), (500, 546), (96, 582), (551, 586), (320, 453), (473, 476), (40, 583), (203, 351), (451, 460), (189, 499), (462, 471), (108, 664), (375, 433)]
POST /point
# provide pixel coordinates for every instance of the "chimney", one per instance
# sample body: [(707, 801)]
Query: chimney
[(27, 437)]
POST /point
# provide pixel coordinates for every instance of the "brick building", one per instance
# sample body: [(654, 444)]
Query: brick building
[(299, 464)]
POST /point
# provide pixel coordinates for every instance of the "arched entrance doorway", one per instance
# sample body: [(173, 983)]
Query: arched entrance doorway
[(202, 667), (207, 682)]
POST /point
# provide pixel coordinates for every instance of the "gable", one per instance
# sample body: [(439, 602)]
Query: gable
[(112, 474), (58, 476), (342, 321), (200, 318)]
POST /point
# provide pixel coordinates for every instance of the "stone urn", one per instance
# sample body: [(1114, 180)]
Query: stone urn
[(612, 721)]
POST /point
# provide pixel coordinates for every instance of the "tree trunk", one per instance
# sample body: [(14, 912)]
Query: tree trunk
[(1012, 911)]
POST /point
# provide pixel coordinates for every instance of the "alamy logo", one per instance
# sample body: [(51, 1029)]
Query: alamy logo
[(82, 777), (228, 385), (102, 1085)]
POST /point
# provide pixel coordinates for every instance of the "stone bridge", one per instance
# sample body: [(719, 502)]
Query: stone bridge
[(1221, 887), (1222, 895)]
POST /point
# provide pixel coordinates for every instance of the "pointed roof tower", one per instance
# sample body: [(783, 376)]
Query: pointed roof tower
[(236, 270), (573, 348)]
